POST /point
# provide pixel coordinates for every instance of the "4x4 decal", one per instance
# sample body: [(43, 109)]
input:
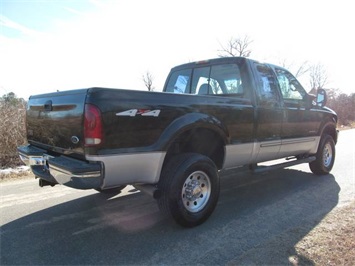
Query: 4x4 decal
[(142, 112)]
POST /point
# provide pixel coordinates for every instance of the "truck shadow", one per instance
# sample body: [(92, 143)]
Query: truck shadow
[(254, 212)]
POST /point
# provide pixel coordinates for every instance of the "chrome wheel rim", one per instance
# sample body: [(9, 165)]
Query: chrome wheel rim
[(327, 155), (196, 191)]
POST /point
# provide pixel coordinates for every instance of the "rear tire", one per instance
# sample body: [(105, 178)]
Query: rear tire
[(325, 156), (189, 188)]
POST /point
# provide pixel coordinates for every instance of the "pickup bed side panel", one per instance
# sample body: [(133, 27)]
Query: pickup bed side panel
[(132, 168), (136, 121), (141, 126)]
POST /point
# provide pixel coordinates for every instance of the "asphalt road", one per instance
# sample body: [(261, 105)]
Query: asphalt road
[(59, 225)]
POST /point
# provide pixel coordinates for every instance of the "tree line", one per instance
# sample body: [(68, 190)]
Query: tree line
[(344, 105), (12, 128)]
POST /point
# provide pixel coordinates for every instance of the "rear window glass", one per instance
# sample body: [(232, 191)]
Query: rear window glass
[(226, 79), (211, 80), (179, 81)]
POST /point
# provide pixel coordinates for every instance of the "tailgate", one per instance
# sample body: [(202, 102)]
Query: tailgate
[(55, 121)]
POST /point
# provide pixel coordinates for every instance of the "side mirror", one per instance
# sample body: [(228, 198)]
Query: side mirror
[(310, 100), (321, 98)]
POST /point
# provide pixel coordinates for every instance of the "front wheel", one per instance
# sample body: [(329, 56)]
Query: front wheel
[(325, 156), (189, 188)]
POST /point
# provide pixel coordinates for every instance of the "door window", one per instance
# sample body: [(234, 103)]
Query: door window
[(290, 88)]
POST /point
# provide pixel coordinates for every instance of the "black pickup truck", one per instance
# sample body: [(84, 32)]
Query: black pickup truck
[(212, 115)]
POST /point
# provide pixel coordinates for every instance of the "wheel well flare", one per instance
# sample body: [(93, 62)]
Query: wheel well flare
[(199, 140)]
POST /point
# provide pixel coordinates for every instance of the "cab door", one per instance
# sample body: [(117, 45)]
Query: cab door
[(269, 113), (300, 122)]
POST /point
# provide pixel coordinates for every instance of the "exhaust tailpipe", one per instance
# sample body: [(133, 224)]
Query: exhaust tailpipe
[(43, 183), (149, 189)]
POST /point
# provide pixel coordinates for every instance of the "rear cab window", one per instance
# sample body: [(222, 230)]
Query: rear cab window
[(179, 81), (214, 80)]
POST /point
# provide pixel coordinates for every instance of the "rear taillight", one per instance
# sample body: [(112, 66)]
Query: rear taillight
[(92, 126)]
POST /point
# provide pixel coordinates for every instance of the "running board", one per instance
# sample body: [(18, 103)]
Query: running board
[(262, 169)]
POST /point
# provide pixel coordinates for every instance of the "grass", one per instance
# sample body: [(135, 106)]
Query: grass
[(331, 242), (349, 126), (15, 175)]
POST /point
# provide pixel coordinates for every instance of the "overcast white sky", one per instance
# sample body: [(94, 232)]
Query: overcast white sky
[(59, 45)]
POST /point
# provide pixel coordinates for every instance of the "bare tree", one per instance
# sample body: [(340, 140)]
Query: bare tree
[(343, 105), (239, 46), (12, 129), (297, 70), (148, 81), (318, 76), (302, 69)]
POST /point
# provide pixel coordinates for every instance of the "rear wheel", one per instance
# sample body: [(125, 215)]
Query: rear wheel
[(325, 156), (189, 189)]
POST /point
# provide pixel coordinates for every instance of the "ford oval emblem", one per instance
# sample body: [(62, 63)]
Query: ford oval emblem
[(74, 139)]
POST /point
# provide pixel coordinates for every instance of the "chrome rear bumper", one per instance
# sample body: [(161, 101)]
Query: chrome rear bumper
[(61, 169)]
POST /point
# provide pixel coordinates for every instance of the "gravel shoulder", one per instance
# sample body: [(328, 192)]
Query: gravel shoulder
[(331, 242)]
